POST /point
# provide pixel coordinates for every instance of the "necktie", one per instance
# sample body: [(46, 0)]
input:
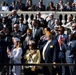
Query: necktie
[(60, 39), (21, 28), (34, 32), (44, 49)]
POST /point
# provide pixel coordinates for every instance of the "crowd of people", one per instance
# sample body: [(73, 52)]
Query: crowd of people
[(41, 41), (29, 6)]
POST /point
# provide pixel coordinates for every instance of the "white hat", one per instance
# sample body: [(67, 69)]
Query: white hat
[(51, 14), (17, 39)]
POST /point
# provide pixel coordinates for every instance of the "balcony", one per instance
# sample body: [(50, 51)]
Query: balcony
[(28, 16)]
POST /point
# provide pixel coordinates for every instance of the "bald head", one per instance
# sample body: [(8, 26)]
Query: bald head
[(13, 12), (16, 26)]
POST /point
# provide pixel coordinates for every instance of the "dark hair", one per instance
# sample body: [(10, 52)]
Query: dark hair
[(48, 29), (72, 36), (51, 3), (62, 28)]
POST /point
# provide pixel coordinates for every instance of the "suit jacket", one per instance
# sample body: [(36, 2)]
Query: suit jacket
[(1, 26), (24, 27), (72, 49), (71, 56), (63, 46), (13, 19), (65, 38), (3, 51), (51, 52), (51, 24), (24, 42), (38, 34), (16, 34), (8, 39)]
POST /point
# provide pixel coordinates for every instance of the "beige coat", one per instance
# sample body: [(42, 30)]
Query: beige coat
[(34, 58)]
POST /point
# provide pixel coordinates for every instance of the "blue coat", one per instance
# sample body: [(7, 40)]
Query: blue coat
[(63, 46), (52, 50), (71, 56), (71, 51)]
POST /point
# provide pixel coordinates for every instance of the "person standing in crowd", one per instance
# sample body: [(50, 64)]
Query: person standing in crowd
[(25, 41), (42, 22), (7, 37), (15, 54), (5, 23), (4, 6), (32, 56), (43, 37), (62, 40), (3, 54), (16, 32), (73, 6), (71, 53), (62, 8), (27, 2), (22, 26), (57, 7), (27, 36), (51, 6), (69, 21), (68, 7), (73, 28), (57, 23), (51, 21), (40, 7), (20, 6), (13, 16), (12, 6), (49, 50), (30, 6), (36, 31)]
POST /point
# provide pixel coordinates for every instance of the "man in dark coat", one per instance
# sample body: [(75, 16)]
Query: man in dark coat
[(49, 51), (3, 54), (20, 6), (36, 31)]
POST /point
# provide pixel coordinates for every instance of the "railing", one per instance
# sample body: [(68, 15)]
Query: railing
[(41, 64), (29, 15)]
